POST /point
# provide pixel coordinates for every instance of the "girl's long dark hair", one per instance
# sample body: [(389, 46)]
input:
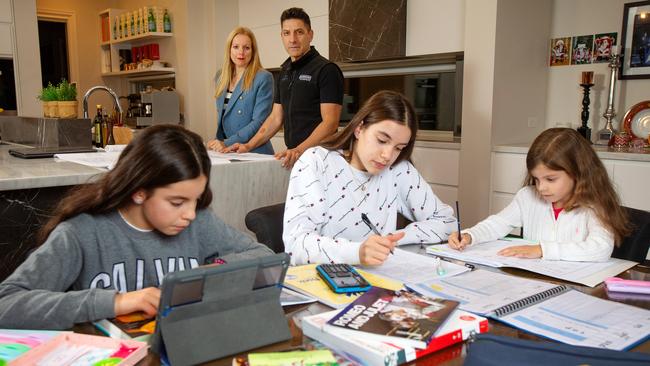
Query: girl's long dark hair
[(158, 156), (381, 106), (565, 149)]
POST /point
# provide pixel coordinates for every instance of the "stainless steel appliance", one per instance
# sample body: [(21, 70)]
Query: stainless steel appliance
[(157, 107)]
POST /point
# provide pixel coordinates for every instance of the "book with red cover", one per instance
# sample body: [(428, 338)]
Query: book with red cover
[(404, 318), (371, 352)]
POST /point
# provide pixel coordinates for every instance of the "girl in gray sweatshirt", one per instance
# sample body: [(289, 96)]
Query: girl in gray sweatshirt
[(110, 243)]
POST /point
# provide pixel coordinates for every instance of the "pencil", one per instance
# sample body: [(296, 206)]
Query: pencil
[(460, 238)]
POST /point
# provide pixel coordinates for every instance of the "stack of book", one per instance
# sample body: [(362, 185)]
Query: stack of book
[(392, 327)]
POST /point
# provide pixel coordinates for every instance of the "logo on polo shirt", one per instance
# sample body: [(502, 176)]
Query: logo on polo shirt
[(304, 77)]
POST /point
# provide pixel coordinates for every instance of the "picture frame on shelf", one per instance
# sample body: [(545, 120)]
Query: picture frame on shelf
[(635, 41)]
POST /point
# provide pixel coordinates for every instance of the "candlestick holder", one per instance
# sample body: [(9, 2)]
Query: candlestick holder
[(584, 130), (605, 135)]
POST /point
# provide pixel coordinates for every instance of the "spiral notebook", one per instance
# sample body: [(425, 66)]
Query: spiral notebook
[(546, 309)]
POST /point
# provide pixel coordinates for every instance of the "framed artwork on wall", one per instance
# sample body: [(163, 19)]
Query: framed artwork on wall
[(635, 41)]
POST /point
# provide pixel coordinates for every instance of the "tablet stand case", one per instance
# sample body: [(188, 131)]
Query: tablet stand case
[(232, 308)]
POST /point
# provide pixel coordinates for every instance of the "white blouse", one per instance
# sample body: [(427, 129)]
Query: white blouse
[(325, 199), (576, 235)]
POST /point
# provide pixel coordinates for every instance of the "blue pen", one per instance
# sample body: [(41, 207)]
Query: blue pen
[(372, 227)]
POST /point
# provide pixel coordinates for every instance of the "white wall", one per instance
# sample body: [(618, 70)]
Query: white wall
[(434, 26), (564, 101), (27, 64), (263, 18)]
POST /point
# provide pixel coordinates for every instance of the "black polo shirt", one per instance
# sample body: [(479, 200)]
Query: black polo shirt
[(301, 88)]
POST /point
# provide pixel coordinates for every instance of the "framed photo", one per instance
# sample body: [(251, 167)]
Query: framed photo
[(635, 41), (581, 49)]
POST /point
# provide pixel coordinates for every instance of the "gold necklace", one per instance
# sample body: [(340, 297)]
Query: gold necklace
[(360, 185)]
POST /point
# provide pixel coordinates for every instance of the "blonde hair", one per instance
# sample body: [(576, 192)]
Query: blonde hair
[(565, 149), (228, 67)]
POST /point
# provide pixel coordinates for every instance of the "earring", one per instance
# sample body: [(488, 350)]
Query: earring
[(138, 200)]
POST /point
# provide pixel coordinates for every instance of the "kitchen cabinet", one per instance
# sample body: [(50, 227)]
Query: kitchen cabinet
[(111, 44), (6, 30), (629, 173), (437, 162)]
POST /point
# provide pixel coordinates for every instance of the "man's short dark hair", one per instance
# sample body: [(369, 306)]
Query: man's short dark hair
[(296, 13)]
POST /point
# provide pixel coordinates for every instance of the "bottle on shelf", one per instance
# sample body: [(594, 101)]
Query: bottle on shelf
[(98, 137), (132, 25), (151, 21), (167, 23), (115, 29)]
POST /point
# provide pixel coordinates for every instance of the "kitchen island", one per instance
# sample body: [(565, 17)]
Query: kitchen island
[(30, 189)]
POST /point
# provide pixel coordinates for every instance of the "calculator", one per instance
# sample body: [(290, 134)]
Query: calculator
[(342, 278)]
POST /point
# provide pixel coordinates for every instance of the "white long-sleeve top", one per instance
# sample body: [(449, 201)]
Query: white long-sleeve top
[(577, 235), (325, 199)]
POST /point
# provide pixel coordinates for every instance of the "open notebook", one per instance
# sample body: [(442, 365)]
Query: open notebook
[(549, 310)]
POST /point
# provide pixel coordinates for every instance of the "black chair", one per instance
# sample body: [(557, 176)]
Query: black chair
[(266, 223), (635, 246)]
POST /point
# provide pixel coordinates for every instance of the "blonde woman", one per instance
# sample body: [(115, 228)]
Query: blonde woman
[(244, 93)]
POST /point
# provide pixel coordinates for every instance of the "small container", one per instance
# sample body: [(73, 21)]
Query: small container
[(620, 140)]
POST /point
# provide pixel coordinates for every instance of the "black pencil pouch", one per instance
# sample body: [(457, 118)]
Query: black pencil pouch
[(488, 349)]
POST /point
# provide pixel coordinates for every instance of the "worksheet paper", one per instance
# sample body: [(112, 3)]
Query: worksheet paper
[(482, 291), (582, 320), (586, 273), (408, 267)]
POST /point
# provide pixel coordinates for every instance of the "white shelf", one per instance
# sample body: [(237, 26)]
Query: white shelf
[(142, 72), (150, 35)]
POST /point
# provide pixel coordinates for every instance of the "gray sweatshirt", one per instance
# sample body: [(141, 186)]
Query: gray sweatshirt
[(74, 276)]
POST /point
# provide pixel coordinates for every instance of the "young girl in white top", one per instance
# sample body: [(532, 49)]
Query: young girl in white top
[(568, 206), (363, 169)]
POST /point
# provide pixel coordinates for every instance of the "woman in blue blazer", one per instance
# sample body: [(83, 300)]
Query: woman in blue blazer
[(244, 93)]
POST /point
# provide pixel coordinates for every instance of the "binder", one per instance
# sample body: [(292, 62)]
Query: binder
[(215, 311)]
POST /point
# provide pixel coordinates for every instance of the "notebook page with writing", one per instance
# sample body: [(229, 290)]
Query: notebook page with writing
[(586, 273), (409, 267), (482, 291), (583, 320)]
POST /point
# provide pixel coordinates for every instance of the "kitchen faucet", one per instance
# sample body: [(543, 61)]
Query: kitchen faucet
[(92, 90)]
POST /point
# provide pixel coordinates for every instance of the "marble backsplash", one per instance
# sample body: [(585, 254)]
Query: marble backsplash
[(46, 132), (364, 30)]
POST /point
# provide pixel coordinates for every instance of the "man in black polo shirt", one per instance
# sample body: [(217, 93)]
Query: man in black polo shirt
[(308, 93)]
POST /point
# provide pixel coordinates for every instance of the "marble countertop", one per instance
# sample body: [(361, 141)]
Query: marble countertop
[(603, 152), (17, 173)]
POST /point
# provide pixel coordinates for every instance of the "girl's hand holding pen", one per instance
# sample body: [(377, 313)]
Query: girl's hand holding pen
[(376, 249), (457, 244)]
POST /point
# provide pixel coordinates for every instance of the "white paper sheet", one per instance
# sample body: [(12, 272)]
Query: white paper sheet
[(408, 267), (586, 273)]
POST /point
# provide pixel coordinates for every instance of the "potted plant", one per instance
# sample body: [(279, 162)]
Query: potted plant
[(67, 97), (49, 97)]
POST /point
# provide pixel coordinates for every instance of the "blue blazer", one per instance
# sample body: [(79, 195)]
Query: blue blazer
[(246, 111)]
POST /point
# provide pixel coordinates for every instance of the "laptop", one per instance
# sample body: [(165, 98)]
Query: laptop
[(48, 152)]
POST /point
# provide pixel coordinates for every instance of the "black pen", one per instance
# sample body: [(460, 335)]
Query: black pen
[(460, 238), (372, 227)]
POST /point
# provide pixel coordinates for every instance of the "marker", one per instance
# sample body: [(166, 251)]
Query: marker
[(372, 227)]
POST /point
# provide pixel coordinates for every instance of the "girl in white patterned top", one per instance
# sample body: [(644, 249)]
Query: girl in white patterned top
[(363, 169)]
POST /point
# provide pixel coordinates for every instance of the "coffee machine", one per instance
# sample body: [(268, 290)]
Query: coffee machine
[(152, 108)]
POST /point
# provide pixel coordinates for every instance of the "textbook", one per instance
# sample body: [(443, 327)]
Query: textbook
[(130, 326), (404, 318), (549, 310), (37, 347), (371, 352), (321, 357), (586, 273), (306, 280)]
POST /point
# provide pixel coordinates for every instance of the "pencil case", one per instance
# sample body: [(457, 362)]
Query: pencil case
[(492, 350)]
